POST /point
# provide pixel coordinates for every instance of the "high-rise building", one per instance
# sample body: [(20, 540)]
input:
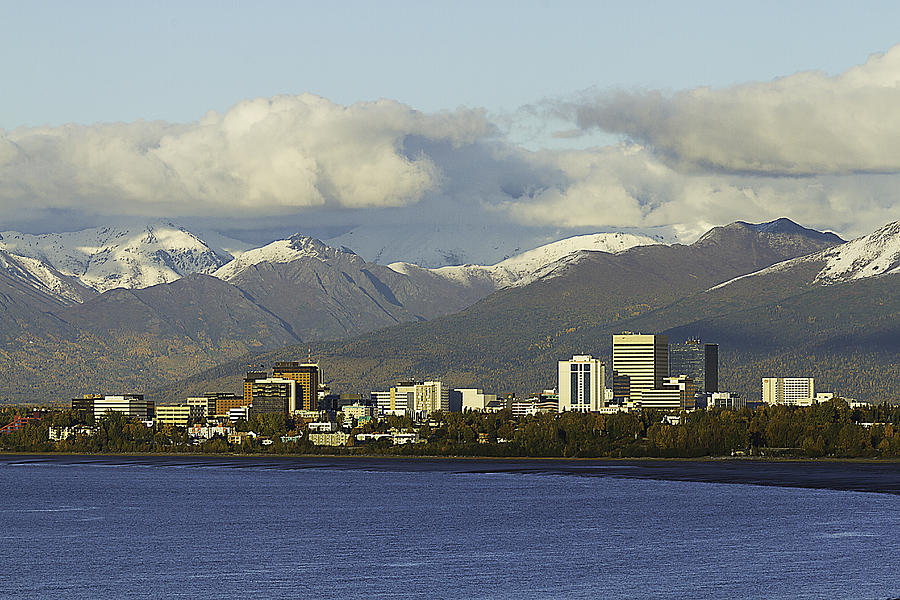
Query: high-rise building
[(793, 391), (253, 375), (307, 377), (582, 384), (643, 358), (698, 361), (274, 395)]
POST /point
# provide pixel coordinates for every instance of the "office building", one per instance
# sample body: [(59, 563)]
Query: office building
[(793, 391), (273, 395), (582, 384), (84, 406), (205, 406), (643, 358), (130, 405), (698, 361), (307, 377), (475, 399), (417, 399), (253, 375), (675, 393), (178, 414), (730, 400)]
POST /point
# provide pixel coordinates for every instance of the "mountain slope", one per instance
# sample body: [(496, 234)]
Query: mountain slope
[(104, 258), (510, 337)]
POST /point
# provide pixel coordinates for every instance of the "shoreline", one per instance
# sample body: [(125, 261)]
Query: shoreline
[(691, 459)]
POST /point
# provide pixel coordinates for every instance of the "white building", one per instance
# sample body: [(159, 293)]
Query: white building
[(793, 391), (417, 399), (238, 414), (475, 399), (206, 406), (675, 393), (131, 405), (582, 384), (357, 411), (726, 400)]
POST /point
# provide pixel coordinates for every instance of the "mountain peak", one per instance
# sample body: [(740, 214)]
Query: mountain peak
[(296, 247), (784, 225)]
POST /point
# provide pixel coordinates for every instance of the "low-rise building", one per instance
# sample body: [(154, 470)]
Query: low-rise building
[(241, 413), (792, 391), (204, 432), (57, 434), (239, 437), (323, 427), (178, 414), (130, 405), (731, 400), (333, 438), (357, 411), (475, 399)]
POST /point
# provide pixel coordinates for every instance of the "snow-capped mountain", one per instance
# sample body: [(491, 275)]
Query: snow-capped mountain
[(533, 264), (446, 244), (875, 254), (103, 258), (280, 251)]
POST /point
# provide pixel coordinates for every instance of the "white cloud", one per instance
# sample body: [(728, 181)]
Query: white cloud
[(824, 151), (270, 155), (808, 123)]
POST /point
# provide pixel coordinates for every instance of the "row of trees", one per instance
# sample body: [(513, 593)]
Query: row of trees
[(829, 429)]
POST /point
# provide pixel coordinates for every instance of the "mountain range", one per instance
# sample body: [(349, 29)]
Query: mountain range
[(766, 292), (161, 303)]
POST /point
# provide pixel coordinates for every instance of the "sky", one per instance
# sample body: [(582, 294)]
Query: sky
[(259, 119)]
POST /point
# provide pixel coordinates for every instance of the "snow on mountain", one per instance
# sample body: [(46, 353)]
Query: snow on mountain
[(280, 251), (450, 244), (44, 278), (534, 264), (103, 258), (875, 254), (868, 256)]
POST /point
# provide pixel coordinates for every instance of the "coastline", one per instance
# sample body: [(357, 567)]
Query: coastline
[(848, 475)]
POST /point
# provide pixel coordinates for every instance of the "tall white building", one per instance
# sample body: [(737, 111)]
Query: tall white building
[(793, 391), (582, 384), (643, 358)]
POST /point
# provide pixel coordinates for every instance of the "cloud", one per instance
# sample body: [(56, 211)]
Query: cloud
[(804, 124), (822, 150), (270, 156)]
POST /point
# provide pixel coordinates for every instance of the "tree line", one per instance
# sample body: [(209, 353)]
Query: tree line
[(831, 429)]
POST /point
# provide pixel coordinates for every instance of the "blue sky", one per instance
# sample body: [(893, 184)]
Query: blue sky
[(88, 62), (259, 119)]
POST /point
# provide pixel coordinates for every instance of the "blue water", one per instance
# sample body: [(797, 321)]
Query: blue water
[(330, 528)]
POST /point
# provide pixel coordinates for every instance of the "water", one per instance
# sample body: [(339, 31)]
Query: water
[(78, 527)]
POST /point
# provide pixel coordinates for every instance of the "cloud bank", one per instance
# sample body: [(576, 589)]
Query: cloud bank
[(804, 124), (269, 155), (823, 150)]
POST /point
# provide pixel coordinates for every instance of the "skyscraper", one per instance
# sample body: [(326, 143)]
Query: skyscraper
[(698, 361), (582, 384), (643, 358), (307, 377)]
